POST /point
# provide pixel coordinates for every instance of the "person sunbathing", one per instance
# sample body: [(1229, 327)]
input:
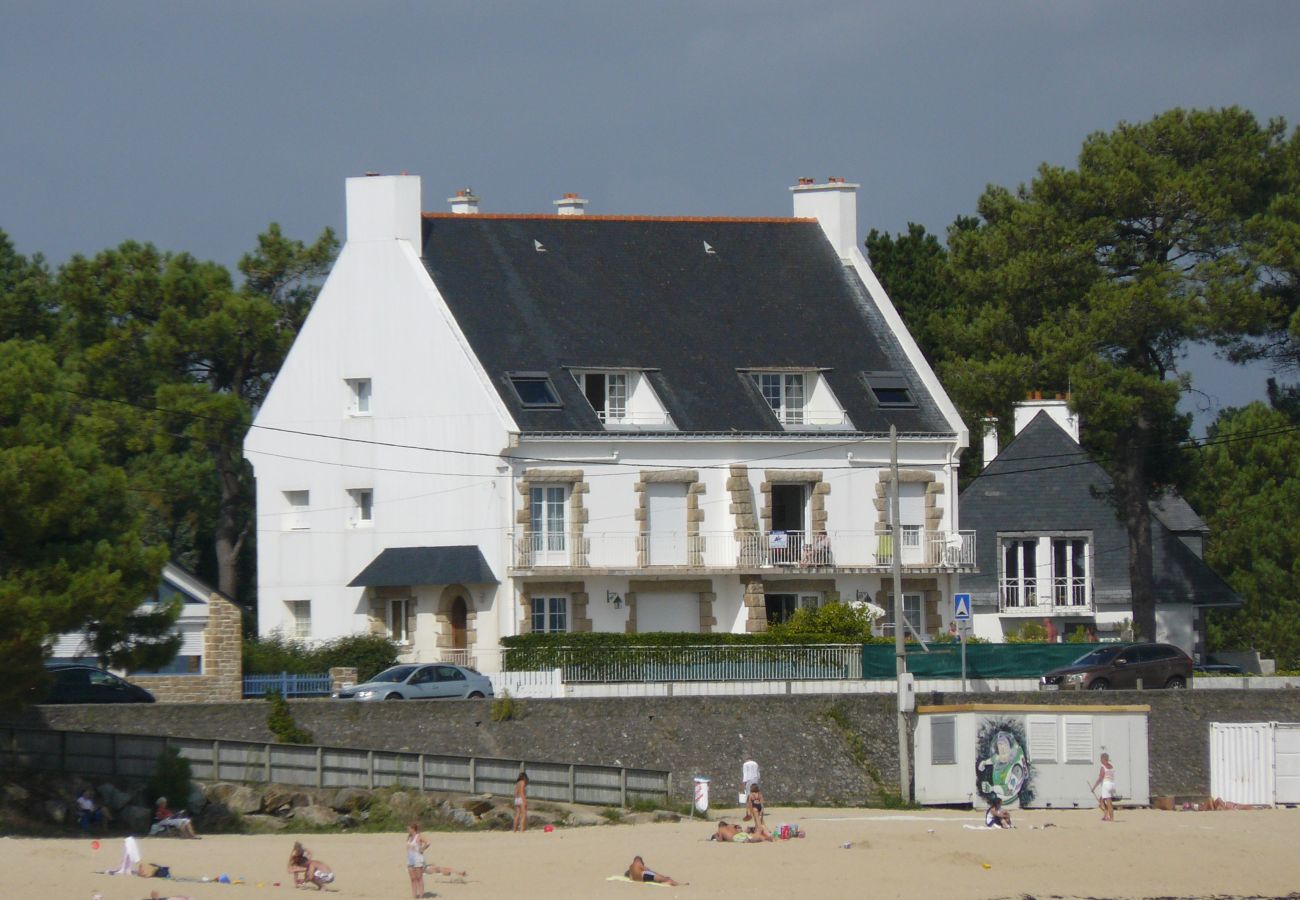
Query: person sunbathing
[(735, 834), (639, 872)]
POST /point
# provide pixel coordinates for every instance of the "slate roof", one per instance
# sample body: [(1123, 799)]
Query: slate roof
[(404, 566), (1043, 481), (643, 293)]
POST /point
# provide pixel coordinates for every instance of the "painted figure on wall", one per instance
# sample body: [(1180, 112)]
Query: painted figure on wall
[(1003, 771)]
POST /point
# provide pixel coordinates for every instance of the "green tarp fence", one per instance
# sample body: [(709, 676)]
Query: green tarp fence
[(982, 660)]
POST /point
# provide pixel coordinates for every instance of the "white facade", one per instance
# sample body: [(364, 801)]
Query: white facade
[(383, 430)]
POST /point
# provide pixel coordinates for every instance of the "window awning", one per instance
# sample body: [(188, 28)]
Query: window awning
[(406, 566)]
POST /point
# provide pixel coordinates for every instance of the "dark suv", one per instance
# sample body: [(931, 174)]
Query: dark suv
[(86, 684), (1117, 666)]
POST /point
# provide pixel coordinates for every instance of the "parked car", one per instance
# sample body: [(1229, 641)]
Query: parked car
[(1117, 666), (421, 682), (87, 684)]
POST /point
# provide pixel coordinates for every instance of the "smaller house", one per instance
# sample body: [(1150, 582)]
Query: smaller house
[(1052, 550)]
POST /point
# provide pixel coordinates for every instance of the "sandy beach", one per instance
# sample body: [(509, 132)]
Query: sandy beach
[(927, 853)]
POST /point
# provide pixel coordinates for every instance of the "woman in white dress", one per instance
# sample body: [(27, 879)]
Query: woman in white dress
[(1106, 781)]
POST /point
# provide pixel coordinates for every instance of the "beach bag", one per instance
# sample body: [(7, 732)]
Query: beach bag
[(152, 870)]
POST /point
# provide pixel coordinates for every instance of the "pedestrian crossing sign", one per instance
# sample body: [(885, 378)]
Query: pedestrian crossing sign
[(961, 606)]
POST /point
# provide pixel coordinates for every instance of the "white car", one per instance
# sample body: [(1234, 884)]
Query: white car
[(421, 681)]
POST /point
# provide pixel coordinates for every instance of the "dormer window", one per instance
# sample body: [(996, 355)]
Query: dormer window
[(784, 392), (607, 394), (534, 390), (890, 389)]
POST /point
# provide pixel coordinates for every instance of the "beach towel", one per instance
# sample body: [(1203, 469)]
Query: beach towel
[(630, 881), (130, 858)]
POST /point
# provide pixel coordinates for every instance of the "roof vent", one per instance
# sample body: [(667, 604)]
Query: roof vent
[(464, 202), (570, 205)]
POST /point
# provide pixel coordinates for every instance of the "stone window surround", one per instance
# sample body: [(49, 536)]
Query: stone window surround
[(694, 515), (933, 488), (931, 597), (578, 513), (579, 620), (701, 586), (816, 501)]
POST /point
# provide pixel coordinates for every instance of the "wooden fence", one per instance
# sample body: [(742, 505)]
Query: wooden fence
[(133, 755)]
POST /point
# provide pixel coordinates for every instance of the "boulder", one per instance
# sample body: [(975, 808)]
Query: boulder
[(351, 799), (135, 818), (257, 822), (664, 815), (196, 800), (277, 799), (476, 805), (16, 794), (406, 806), (464, 818), (637, 818), (315, 815), (57, 810), (584, 819), (114, 798), (239, 798)]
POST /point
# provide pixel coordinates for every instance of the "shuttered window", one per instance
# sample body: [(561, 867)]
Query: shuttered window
[(943, 740), (1078, 739), (1043, 737)]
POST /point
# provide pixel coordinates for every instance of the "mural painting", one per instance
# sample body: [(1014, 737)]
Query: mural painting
[(1003, 768)]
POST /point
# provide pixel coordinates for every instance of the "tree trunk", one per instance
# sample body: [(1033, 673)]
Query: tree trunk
[(228, 537), (1136, 508)]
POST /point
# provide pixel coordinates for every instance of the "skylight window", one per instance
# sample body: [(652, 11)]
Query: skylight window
[(890, 389), (535, 390)]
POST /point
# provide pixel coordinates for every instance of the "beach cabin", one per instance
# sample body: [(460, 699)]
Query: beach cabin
[(1028, 755)]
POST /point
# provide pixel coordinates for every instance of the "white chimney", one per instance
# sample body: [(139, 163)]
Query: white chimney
[(1058, 408), (384, 208), (835, 206), (990, 424), (464, 202), (570, 205)]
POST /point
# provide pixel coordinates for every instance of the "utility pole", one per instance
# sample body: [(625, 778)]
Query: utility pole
[(900, 645)]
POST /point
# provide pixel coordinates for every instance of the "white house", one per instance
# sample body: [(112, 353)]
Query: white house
[(494, 424)]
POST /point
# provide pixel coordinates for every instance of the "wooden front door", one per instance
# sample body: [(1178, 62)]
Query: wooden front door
[(459, 618)]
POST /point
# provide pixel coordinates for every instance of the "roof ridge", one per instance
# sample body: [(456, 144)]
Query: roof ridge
[(552, 217)]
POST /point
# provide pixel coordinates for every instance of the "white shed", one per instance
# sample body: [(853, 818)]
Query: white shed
[(1028, 755), (1255, 763)]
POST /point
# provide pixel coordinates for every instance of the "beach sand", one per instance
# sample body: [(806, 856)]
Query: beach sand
[(926, 853)]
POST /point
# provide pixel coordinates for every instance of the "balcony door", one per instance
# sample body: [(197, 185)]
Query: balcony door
[(911, 515), (785, 541), (666, 524), (549, 526)]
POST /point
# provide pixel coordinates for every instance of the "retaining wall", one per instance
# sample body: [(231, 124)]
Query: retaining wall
[(818, 749)]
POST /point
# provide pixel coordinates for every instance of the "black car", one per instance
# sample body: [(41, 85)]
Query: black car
[(1115, 666), (86, 684)]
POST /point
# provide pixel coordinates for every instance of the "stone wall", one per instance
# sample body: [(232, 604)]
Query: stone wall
[(817, 749), (223, 662)]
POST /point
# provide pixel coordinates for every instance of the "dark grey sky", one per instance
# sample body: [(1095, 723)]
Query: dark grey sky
[(193, 125)]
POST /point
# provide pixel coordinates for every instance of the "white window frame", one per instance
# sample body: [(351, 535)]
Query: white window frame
[(361, 392), (551, 613), (298, 504), (786, 393), (299, 618), (912, 602), (617, 390), (363, 507), (550, 532), (398, 611), (1068, 583), (1026, 590)]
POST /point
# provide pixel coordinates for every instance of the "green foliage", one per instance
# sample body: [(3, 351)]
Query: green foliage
[(280, 721), (1079, 635), (506, 708), (171, 778), (270, 655), (842, 621), (1028, 633), (1248, 487)]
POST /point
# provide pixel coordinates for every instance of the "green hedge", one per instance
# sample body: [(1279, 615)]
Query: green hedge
[(527, 652), (369, 653)]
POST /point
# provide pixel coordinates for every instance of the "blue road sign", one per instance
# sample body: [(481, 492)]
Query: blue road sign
[(961, 606)]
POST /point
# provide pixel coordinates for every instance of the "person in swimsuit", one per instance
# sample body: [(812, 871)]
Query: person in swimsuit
[(521, 803), (754, 806), (1106, 781), (416, 844), (638, 872), (997, 817), (306, 870)]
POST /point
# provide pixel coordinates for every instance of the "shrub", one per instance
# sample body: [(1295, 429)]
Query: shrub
[(280, 721), (171, 778), (271, 655), (505, 708), (1079, 635), (848, 623), (1029, 633)]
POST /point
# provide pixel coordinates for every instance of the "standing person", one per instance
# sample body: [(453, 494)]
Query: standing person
[(638, 872), (416, 844), (1106, 780), (521, 803), (754, 806)]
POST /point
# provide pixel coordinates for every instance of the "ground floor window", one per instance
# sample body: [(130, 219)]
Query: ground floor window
[(912, 609), (780, 607), (300, 618), (398, 622), (550, 614)]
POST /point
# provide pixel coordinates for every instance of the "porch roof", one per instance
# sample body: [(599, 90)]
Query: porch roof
[(401, 566)]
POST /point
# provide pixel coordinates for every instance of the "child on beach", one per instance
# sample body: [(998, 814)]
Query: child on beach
[(754, 806), (308, 871), (521, 803), (639, 872), (997, 817)]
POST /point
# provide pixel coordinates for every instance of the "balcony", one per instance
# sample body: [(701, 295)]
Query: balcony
[(1032, 596), (748, 551)]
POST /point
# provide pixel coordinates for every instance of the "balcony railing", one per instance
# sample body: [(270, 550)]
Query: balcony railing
[(741, 550), (1030, 595)]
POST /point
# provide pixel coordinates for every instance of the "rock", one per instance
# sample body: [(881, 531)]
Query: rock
[(638, 818), (663, 815), (135, 818), (196, 800), (113, 797), (315, 815), (276, 799), (406, 806), (57, 810), (464, 818), (543, 817), (476, 805), (239, 798), (16, 795), (351, 799), (582, 819), (258, 822)]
